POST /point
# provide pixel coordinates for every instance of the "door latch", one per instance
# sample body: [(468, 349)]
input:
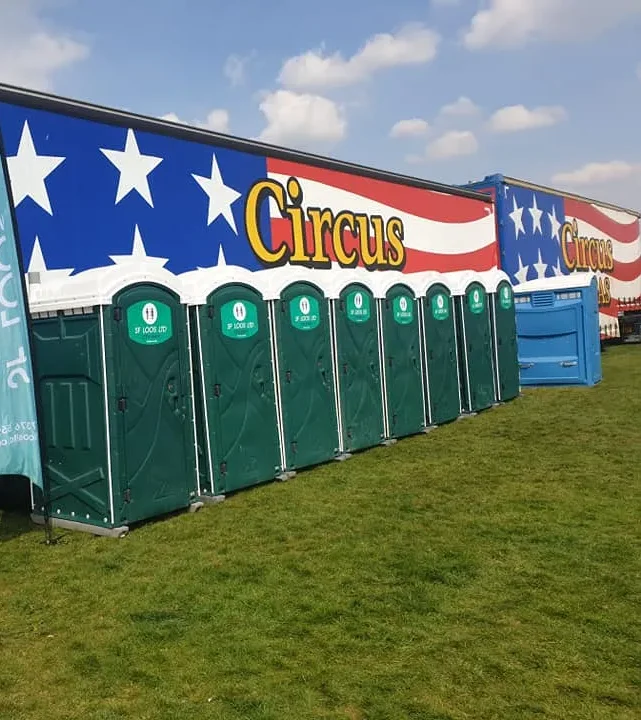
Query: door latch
[(127, 495), (223, 468), (117, 314), (216, 390), (122, 404), (288, 375)]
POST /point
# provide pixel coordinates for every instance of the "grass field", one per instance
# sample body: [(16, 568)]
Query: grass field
[(491, 569)]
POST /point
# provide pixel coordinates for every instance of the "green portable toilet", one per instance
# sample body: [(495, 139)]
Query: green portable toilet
[(440, 351), (474, 342), (304, 362), (401, 355), (237, 420), (115, 382), (357, 361), (503, 323)]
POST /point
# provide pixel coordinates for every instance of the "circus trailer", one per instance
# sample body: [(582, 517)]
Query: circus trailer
[(103, 198), (546, 233)]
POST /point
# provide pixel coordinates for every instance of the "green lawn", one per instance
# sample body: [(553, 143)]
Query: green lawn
[(491, 569)]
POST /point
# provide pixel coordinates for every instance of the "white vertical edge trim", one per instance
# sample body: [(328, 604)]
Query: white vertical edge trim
[(205, 407), (337, 376), (458, 356), (192, 387), (425, 378), (103, 350), (495, 374), (381, 347), (271, 304), (465, 355)]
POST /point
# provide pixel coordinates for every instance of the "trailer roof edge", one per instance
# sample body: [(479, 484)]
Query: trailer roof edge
[(90, 111)]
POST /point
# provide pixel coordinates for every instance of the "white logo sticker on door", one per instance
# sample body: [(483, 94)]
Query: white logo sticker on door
[(239, 311), (304, 306), (149, 313)]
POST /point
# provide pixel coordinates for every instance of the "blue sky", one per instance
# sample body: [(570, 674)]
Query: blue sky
[(551, 88)]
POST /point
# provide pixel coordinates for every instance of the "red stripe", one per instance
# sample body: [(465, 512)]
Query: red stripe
[(428, 204), (621, 232), (627, 271), (416, 260)]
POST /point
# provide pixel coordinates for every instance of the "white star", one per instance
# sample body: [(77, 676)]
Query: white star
[(138, 254), (557, 268), (555, 225), (541, 267), (38, 265), (521, 273), (222, 260), (221, 196), (134, 169), (536, 215), (517, 218), (28, 172)]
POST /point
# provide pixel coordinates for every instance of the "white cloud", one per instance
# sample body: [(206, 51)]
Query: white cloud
[(409, 128), (454, 143), (412, 45), (235, 68), (294, 118), (31, 53), (597, 173), (217, 120), (462, 106), (510, 23), (514, 118)]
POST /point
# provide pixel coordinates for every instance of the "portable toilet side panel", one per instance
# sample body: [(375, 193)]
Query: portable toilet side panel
[(71, 386), (402, 357), (475, 346), (504, 326), (558, 334), (237, 384), (304, 347), (148, 369), (440, 355), (358, 363)]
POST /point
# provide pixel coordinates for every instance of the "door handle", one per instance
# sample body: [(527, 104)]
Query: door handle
[(288, 375), (524, 366), (568, 363)]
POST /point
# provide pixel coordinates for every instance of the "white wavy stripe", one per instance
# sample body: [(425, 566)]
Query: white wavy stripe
[(617, 215), (420, 233), (623, 289), (609, 323), (623, 252)]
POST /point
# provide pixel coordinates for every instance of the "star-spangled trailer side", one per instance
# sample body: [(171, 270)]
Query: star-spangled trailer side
[(94, 187), (545, 233)]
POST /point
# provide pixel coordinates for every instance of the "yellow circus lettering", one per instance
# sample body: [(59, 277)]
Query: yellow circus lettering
[(295, 213), (566, 239), (593, 254), (395, 236), (379, 243), (322, 222), (378, 227), (343, 220), (259, 192), (609, 256)]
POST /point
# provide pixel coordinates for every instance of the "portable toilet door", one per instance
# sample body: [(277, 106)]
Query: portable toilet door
[(358, 369), (475, 343), (503, 321), (147, 332), (115, 379), (235, 388), (305, 370), (402, 374), (442, 381)]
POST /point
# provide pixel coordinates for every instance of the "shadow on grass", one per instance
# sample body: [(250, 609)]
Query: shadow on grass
[(15, 506)]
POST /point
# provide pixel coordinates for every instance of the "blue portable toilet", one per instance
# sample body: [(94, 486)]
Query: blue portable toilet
[(557, 325)]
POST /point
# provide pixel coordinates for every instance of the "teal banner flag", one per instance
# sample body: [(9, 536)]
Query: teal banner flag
[(19, 445)]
